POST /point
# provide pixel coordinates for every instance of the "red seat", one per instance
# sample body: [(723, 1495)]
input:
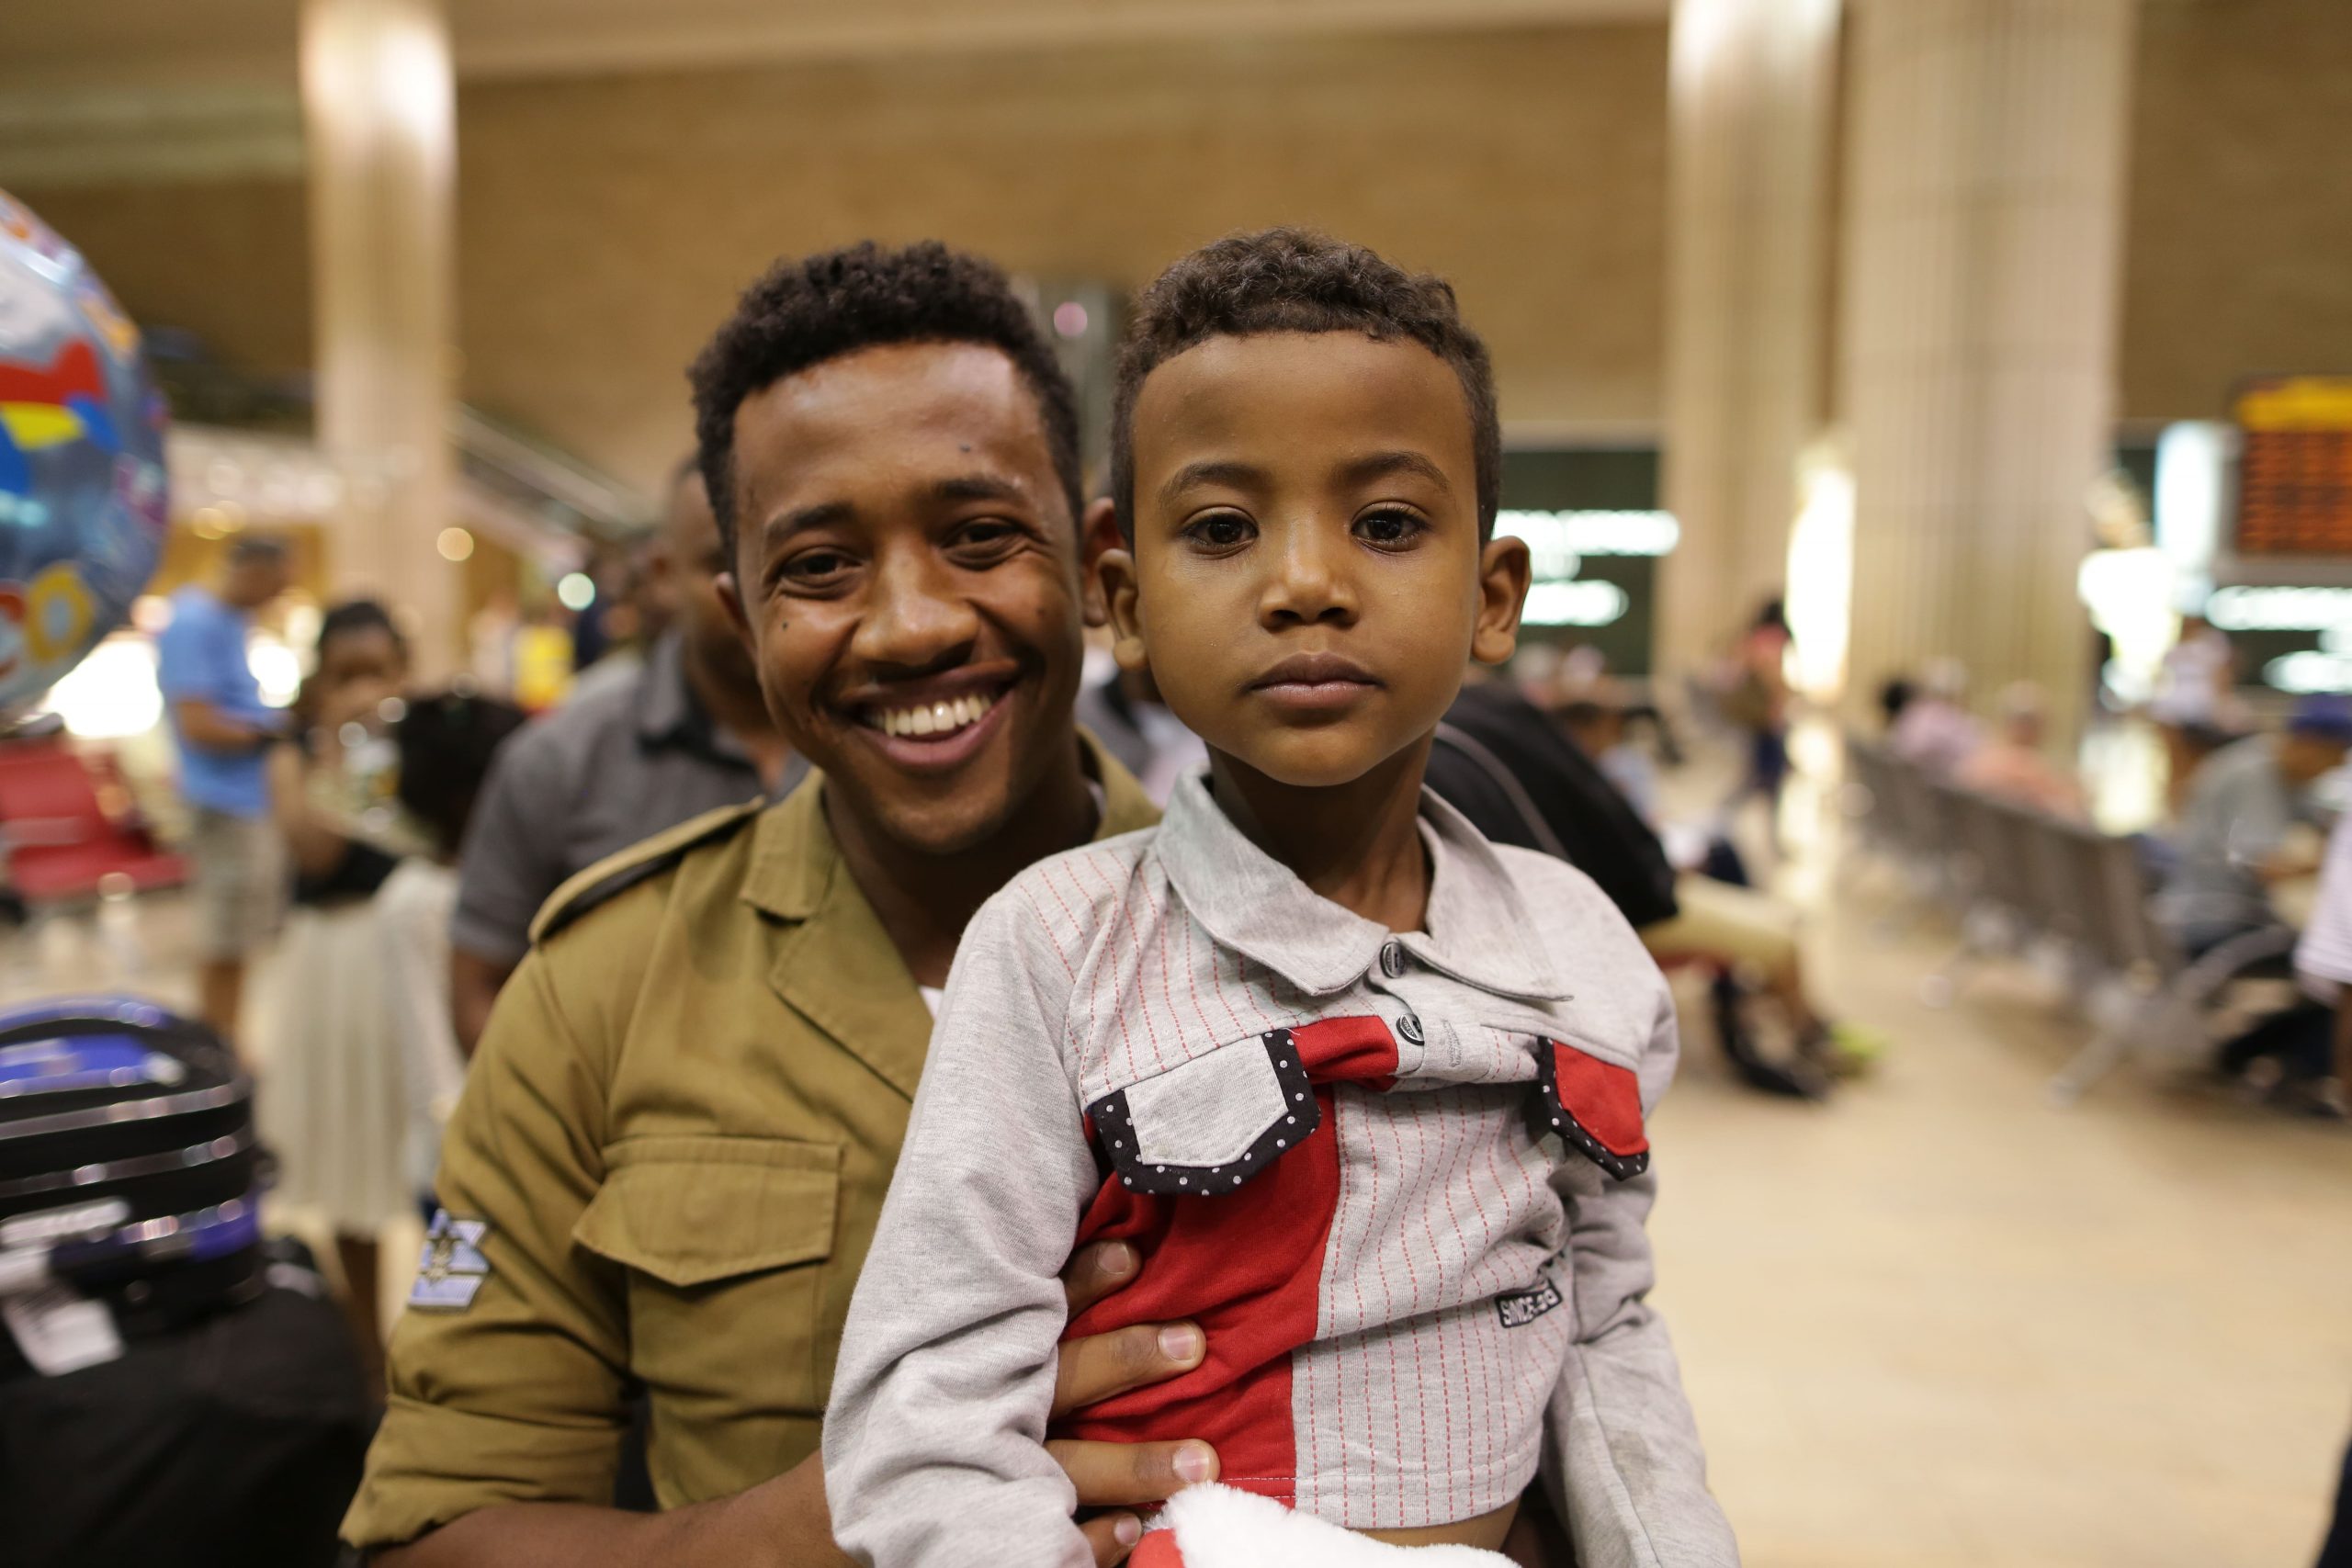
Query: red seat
[(62, 841)]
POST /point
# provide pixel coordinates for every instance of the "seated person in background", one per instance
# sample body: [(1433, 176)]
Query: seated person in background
[(1894, 695), (2011, 766), (1721, 921), (1937, 733), (2304, 1054), (1299, 1029), (2231, 844)]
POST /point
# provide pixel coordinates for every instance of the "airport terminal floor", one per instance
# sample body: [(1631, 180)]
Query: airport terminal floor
[(1937, 1321)]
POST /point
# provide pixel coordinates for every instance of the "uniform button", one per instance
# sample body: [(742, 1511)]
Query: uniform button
[(1409, 1029), (1392, 959)]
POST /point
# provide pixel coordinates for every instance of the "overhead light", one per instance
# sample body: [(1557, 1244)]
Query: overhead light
[(455, 544)]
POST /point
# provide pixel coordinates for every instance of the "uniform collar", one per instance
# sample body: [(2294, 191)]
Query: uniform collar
[(1257, 907), (830, 960)]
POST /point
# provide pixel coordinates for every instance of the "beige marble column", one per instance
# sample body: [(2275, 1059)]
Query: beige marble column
[(380, 122), (1984, 215), (1752, 88)]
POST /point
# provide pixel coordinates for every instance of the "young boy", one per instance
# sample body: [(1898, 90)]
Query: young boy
[(1365, 1092)]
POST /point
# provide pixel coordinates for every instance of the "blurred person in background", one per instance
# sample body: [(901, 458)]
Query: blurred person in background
[(336, 1105), (2231, 843), (1936, 733), (446, 744), (224, 733), (1755, 702), (2012, 766), (1124, 711), (2195, 706), (641, 617), (1894, 695), (688, 734)]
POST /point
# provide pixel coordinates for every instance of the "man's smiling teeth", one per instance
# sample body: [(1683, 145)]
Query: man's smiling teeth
[(932, 718)]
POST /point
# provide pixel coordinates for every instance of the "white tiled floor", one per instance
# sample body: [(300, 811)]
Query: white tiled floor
[(1936, 1322)]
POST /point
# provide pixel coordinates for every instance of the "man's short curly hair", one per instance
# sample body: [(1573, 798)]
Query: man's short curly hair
[(1294, 280), (823, 307)]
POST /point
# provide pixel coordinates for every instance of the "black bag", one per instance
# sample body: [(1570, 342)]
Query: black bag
[(224, 1419)]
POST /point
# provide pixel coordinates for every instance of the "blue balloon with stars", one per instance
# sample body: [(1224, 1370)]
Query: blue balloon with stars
[(84, 497)]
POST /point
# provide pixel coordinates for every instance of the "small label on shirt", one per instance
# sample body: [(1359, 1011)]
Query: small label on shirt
[(60, 1330), (1522, 1307), (452, 1266)]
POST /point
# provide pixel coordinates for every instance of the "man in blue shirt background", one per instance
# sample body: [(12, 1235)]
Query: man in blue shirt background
[(224, 733)]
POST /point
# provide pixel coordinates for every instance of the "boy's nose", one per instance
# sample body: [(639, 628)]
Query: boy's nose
[(1306, 584)]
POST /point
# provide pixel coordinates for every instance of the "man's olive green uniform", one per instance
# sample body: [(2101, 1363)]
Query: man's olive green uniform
[(667, 1166)]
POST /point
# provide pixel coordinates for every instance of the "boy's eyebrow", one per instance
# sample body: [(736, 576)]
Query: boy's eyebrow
[(1379, 465), (1211, 471)]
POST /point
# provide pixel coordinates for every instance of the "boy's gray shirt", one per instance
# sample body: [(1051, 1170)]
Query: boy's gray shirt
[(1153, 982)]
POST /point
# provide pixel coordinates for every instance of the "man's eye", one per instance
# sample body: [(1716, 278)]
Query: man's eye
[(1223, 531), (814, 567), (988, 540), (1388, 528)]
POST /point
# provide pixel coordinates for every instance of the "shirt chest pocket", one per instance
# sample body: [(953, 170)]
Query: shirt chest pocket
[(724, 1242), (1207, 1125)]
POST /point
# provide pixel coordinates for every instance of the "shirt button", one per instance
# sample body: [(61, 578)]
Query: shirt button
[(1392, 959)]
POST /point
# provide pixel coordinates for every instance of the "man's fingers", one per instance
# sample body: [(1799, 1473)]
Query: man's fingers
[(1112, 1536), (1095, 1271), (1127, 1475), (1091, 1369)]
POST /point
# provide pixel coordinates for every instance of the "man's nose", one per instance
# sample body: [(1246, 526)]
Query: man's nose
[(916, 617)]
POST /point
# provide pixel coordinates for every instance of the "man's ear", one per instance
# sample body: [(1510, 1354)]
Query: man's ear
[(1504, 571), (736, 617), (1116, 568), (1098, 531)]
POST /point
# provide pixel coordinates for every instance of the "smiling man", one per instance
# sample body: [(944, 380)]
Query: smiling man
[(674, 1141)]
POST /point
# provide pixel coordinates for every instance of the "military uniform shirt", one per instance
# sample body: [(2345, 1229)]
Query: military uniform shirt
[(666, 1168)]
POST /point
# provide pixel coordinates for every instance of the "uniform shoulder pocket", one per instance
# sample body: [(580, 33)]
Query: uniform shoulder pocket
[(1209, 1124), (1593, 1105), (689, 1210)]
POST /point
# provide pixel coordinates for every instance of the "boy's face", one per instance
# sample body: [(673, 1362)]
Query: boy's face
[(1306, 581), (907, 573)]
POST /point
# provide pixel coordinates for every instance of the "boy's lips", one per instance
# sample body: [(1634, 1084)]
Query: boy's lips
[(1315, 681)]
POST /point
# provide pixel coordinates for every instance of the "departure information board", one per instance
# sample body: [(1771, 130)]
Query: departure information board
[(2295, 466)]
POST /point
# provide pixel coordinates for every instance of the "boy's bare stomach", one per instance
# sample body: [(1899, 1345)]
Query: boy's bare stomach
[(1486, 1531)]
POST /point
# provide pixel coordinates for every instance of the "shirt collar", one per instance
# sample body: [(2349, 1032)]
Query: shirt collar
[(1257, 907), (794, 854), (669, 717)]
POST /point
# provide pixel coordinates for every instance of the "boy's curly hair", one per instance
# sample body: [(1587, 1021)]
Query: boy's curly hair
[(823, 307), (1294, 280)]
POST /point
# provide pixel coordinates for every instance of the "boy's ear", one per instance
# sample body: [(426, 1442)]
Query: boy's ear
[(1115, 570), (1503, 573), (1098, 532)]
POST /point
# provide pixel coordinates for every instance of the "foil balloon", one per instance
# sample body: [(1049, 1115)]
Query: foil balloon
[(83, 502)]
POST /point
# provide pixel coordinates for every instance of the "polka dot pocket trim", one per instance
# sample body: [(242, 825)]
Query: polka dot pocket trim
[(1594, 1106), (1206, 1128)]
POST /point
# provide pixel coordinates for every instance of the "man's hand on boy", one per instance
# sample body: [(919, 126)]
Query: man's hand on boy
[(784, 1523), (1119, 1477)]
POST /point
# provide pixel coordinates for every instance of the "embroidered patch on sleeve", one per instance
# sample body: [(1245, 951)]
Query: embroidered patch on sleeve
[(452, 1266), (1522, 1307)]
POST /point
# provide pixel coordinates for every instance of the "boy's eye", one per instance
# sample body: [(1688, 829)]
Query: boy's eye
[(1389, 527), (1222, 531)]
